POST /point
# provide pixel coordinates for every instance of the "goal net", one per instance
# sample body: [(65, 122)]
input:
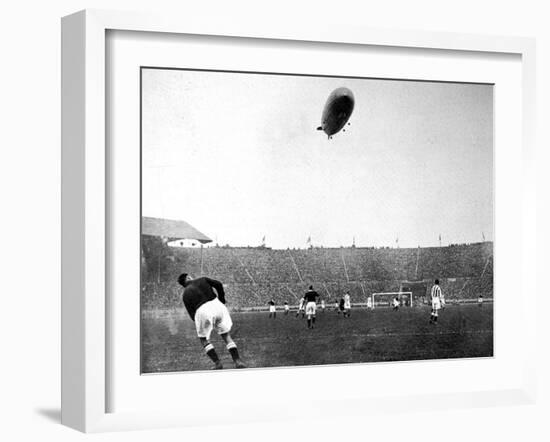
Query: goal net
[(385, 299)]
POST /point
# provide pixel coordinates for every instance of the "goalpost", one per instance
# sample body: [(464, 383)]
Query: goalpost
[(386, 298)]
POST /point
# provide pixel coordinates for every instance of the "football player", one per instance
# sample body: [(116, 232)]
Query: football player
[(301, 307), (311, 306), (369, 303), (347, 305), (396, 303), (272, 309), (437, 301), (204, 299)]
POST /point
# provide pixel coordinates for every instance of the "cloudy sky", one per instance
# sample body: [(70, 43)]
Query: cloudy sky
[(237, 156)]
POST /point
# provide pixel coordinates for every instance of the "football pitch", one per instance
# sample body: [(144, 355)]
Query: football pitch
[(169, 343)]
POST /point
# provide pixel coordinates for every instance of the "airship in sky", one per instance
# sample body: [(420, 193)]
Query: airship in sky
[(337, 111)]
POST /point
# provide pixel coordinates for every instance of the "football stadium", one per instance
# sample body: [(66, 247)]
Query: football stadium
[(373, 332)]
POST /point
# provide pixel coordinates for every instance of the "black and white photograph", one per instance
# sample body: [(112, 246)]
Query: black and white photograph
[(303, 220)]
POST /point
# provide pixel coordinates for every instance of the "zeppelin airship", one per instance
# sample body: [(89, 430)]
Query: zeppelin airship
[(337, 111)]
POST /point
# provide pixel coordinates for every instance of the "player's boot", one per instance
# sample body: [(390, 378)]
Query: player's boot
[(239, 364), (235, 355), (218, 365)]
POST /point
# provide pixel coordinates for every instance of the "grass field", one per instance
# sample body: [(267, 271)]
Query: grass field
[(463, 331)]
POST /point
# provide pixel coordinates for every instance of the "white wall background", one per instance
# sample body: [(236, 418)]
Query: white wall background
[(30, 200)]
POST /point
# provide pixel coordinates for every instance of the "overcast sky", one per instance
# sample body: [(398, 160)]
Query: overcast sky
[(238, 157)]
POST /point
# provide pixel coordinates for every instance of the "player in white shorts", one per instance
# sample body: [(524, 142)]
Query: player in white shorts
[(272, 309), (395, 303), (369, 302), (347, 305), (311, 306), (301, 307), (323, 305), (209, 313), (438, 301), (287, 308)]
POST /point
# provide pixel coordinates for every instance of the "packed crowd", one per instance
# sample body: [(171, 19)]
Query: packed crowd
[(253, 276)]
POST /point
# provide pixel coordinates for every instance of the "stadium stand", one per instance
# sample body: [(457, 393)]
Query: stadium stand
[(254, 275)]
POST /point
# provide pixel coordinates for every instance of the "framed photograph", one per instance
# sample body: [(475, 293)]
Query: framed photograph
[(259, 207)]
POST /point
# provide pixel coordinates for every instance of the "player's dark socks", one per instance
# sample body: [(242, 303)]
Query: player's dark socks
[(313, 319), (211, 353), (232, 348)]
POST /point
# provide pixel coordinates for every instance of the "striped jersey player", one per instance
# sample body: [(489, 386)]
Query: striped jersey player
[(209, 312), (438, 301)]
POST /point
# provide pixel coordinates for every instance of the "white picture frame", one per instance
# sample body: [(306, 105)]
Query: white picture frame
[(85, 203)]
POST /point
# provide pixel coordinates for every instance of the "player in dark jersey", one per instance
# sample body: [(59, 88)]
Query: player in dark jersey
[(209, 312), (311, 306)]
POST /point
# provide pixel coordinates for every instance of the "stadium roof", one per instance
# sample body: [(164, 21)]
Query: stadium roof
[(171, 229)]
